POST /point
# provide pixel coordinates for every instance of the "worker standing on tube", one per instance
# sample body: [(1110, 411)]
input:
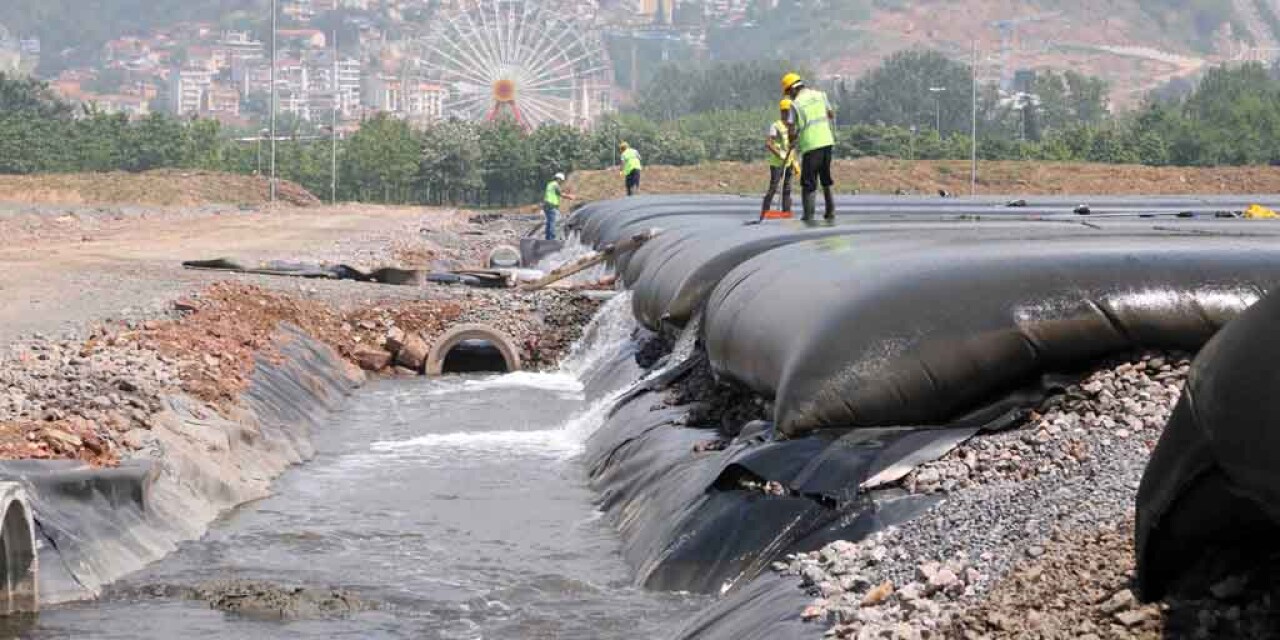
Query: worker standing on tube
[(781, 160), (810, 131), (630, 168)]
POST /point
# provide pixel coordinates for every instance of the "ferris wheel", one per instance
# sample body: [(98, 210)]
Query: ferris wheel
[(520, 59)]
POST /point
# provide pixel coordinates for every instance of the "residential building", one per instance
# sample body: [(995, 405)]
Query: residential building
[(422, 101), (188, 87), (222, 100), (350, 72)]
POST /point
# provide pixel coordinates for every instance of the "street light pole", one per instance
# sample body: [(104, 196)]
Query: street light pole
[(273, 102), (973, 127), (937, 107), (337, 95)]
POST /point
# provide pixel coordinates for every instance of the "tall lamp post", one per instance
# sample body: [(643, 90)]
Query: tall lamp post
[(937, 107), (274, 17)]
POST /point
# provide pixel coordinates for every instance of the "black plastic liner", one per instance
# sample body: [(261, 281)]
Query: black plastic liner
[(98, 524), (766, 609), (1209, 502), (691, 520)]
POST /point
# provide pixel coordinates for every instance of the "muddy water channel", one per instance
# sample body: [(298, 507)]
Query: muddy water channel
[(454, 508)]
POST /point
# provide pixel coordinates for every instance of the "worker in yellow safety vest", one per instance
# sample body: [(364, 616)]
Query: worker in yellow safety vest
[(781, 160), (809, 128), (551, 204), (630, 168)]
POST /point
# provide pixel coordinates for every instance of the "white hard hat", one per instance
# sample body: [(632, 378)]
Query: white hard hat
[(559, 176)]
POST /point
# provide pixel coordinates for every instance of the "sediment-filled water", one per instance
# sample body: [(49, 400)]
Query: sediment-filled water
[(455, 507)]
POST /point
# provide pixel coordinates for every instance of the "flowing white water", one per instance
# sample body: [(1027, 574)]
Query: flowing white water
[(573, 250), (603, 340)]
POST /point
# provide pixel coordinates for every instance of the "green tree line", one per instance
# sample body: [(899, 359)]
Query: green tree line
[(1232, 117)]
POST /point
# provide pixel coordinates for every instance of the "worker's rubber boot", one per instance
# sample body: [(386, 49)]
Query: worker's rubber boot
[(786, 202), (810, 202), (830, 198)]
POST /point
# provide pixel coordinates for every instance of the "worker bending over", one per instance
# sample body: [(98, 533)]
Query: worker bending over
[(781, 160), (809, 130), (551, 203), (630, 168)]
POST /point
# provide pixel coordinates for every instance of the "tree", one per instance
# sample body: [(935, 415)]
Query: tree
[(507, 167), (1070, 98), (679, 90), (381, 160), (155, 142), (450, 165), (897, 93), (31, 98)]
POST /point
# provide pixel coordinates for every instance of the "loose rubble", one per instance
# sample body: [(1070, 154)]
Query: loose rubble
[(1033, 537), (726, 405), (264, 600)]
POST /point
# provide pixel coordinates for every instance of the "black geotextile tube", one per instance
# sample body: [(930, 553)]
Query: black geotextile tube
[(897, 331), (1209, 502), (608, 221), (672, 275)]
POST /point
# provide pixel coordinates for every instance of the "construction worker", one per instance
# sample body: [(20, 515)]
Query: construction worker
[(809, 128), (551, 203), (630, 168), (781, 159)]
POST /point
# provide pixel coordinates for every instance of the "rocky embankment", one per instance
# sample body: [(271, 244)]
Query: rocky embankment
[(93, 399), (1034, 536)]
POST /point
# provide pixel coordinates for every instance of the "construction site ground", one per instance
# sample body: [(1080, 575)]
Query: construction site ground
[(82, 248)]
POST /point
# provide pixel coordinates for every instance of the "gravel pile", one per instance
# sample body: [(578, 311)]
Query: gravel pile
[(1010, 499), (77, 399), (1122, 403)]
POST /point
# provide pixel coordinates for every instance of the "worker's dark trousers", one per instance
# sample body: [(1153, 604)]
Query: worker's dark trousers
[(815, 167), (550, 212), (633, 182), (778, 174)]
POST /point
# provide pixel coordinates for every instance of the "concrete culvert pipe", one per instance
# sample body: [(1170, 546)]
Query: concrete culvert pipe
[(473, 347), (17, 552), (504, 257)]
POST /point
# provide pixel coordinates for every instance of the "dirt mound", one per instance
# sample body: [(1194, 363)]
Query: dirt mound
[(168, 187), (925, 177)]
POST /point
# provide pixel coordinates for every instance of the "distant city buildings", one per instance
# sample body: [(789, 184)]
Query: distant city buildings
[(206, 70)]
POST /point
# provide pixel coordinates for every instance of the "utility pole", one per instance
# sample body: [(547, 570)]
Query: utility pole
[(973, 126), (273, 103), (337, 95)]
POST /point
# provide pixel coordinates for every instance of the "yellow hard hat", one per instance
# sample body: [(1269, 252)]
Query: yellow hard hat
[(789, 80), (785, 104)]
